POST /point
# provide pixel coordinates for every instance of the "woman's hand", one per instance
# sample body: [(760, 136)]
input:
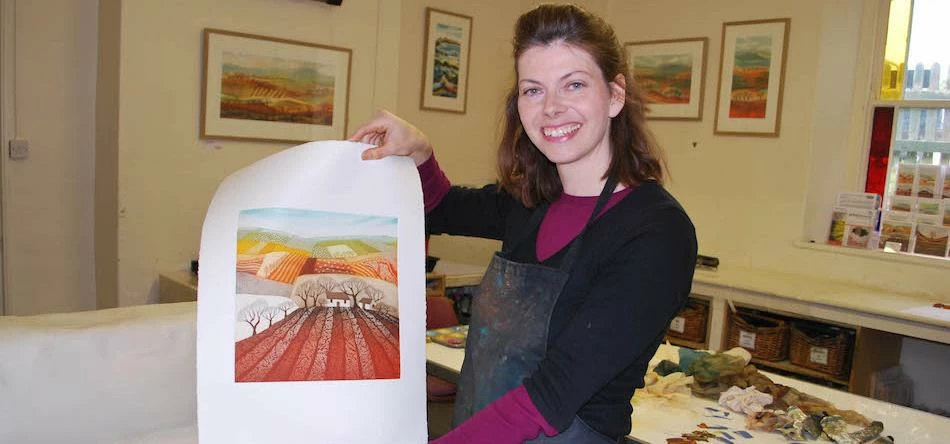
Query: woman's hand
[(393, 136)]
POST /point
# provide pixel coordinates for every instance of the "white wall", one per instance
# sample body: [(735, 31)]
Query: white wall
[(751, 198), (747, 195), (464, 144), (48, 197), (167, 176)]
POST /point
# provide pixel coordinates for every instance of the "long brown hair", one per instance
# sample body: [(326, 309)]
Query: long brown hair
[(635, 156)]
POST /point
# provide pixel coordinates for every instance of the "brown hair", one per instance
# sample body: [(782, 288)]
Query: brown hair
[(635, 156)]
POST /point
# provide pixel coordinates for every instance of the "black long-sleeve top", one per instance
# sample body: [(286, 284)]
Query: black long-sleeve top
[(632, 276)]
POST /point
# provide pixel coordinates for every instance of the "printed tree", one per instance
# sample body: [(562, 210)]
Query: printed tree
[(353, 287), (252, 314), (326, 284), (307, 290), (269, 313), (287, 307)]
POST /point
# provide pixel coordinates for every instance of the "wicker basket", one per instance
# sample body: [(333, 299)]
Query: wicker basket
[(820, 347), (764, 337), (690, 323)]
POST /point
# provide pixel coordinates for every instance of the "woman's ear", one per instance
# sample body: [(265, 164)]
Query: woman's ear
[(618, 94)]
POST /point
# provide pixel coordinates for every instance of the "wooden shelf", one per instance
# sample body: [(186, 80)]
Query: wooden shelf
[(688, 344), (680, 320), (787, 366), (435, 284), (872, 350)]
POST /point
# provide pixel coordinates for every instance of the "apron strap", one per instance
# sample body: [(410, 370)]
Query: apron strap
[(571, 256), (538, 215), (533, 222)]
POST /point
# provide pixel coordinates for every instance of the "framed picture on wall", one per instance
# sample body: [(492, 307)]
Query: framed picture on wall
[(671, 74), (448, 43), (271, 89), (751, 77)]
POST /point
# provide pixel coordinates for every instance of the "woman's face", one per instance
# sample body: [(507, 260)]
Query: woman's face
[(566, 107)]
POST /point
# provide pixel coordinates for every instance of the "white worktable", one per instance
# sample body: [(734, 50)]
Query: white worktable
[(825, 299), (655, 419), (459, 274)]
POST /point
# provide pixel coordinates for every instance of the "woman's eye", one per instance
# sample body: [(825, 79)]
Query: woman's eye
[(575, 85), (530, 91)]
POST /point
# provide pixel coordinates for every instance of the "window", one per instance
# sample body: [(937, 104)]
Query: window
[(909, 154)]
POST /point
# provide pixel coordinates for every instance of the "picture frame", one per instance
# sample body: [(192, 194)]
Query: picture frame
[(752, 77), (446, 52), (272, 89), (672, 74)]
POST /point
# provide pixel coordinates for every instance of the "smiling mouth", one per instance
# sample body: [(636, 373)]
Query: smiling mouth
[(561, 131)]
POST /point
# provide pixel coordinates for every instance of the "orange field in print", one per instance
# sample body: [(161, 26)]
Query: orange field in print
[(665, 79), (749, 94), (274, 89), (321, 343), (316, 297), (750, 77)]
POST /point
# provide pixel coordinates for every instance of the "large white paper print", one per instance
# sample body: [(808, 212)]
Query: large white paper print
[(311, 313)]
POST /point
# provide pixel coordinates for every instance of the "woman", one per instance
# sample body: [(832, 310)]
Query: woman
[(596, 257)]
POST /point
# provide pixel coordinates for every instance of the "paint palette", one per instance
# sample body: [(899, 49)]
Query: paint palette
[(449, 336)]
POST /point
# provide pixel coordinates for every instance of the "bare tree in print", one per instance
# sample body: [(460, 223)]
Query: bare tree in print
[(373, 295), (269, 313), (326, 285), (352, 287), (306, 291), (252, 314), (287, 306)]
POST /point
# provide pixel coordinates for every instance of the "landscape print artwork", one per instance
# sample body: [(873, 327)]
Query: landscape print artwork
[(931, 240), (665, 78), (316, 296), (271, 89), (671, 74), (445, 69), (274, 89), (445, 61), (751, 77)]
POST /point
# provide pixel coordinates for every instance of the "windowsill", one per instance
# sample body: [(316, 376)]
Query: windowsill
[(904, 258)]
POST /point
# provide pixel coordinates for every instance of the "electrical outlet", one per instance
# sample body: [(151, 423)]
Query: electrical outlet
[(19, 149)]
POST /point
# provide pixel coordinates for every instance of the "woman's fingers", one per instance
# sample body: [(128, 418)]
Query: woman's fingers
[(372, 154), (382, 123), (392, 136), (366, 134)]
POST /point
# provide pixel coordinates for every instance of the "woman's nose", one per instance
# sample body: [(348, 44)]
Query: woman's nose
[(552, 104)]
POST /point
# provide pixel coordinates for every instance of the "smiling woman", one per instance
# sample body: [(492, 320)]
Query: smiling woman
[(565, 106), (559, 336)]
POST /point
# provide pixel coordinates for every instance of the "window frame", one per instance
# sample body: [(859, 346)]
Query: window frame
[(875, 101)]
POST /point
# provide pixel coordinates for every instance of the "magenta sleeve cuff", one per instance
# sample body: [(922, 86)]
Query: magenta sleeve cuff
[(434, 183), (511, 419)]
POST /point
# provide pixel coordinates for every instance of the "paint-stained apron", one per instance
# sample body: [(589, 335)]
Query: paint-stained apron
[(508, 333)]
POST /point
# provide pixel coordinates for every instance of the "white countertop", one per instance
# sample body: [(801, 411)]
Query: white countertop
[(822, 291), (458, 274), (909, 314), (655, 419)]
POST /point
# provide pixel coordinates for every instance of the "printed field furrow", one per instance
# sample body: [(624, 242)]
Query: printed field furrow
[(246, 357), (263, 365), (285, 363), (351, 357), (318, 371), (308, 352)]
